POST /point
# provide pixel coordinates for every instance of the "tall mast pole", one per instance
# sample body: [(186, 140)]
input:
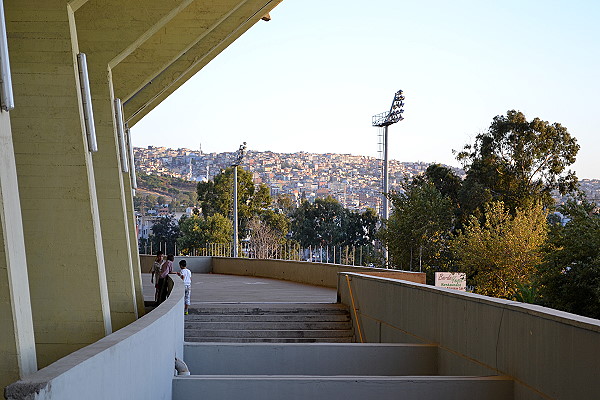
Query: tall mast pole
[(384, 120), (240, 156), (386, 184), (235, 212)]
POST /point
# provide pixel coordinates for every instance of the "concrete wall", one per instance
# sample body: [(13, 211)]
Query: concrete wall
[(198, 265), (548, 353), (300, 271), (128, 364)]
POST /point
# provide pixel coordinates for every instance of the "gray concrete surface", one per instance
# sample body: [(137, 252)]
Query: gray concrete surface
[(216, 288), (268, 387), (317, 359), (268, 322), (550, 354), (127, 364)]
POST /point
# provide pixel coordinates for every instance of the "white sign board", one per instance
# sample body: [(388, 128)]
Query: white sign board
[(451, 280)]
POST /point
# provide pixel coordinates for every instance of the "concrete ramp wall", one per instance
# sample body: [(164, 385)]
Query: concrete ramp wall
[(128, 364), (317, 274), (549, 354)]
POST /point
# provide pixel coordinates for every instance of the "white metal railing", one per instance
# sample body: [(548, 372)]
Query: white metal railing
[(344, 255)]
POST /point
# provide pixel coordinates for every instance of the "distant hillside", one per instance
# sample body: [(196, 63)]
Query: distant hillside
[(170, 187)]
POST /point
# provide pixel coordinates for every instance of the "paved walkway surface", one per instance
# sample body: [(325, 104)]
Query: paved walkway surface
[(216, 288)]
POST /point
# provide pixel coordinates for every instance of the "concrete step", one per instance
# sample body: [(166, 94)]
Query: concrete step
[(268, 325), (300, 387), (268, 322), (317, 359), (200, 339), (331, 317), (260, 333), (267, 308)]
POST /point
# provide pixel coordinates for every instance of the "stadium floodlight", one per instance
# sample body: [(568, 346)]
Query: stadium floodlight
[(392, 116), (384, 120)]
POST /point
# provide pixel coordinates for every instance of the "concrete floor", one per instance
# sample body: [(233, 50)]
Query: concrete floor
[(216, 288)]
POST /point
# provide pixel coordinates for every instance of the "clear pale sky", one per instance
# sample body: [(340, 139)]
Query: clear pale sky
[(312, 77)]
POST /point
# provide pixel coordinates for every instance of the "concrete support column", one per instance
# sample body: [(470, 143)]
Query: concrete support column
[(112, 200), (17, 344), (135, 254), (61, 225)]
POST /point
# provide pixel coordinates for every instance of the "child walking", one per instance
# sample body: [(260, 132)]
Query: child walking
[(186, 275)]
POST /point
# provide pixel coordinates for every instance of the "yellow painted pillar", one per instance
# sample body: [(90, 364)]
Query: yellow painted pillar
[(112, 199), (63, 240), (135, 254), (17, 345)]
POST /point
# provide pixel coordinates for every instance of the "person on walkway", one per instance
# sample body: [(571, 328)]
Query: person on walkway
[(163, 282), (186, 276), (158, 262)]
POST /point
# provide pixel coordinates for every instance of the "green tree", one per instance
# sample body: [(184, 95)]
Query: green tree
[(277, 222), (286, 204), (198, 231), (319, 224), (359, 229), (419, 227), (327, 223), (216, 196), (502, 252), (443, 179), (519, 162), (570, 273), (165, 233)]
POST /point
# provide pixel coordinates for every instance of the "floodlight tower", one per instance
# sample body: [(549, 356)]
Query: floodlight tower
[(384, 120), (238, 160)]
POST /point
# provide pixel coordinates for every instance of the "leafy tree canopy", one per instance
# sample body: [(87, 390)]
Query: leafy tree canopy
[(327, 223), (419, 226), (165, 233), (519, 162), (216, 196), (319, 223), (197, 231), (570, 274), (501, 253)]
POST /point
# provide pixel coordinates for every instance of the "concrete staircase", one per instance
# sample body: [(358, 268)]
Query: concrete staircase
[(269, 322), (297, 351), (323, 371)]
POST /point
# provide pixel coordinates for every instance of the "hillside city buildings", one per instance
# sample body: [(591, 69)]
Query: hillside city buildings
[(355, 181)]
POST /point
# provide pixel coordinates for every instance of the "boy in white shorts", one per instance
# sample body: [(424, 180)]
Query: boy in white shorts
[(186, 275)]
